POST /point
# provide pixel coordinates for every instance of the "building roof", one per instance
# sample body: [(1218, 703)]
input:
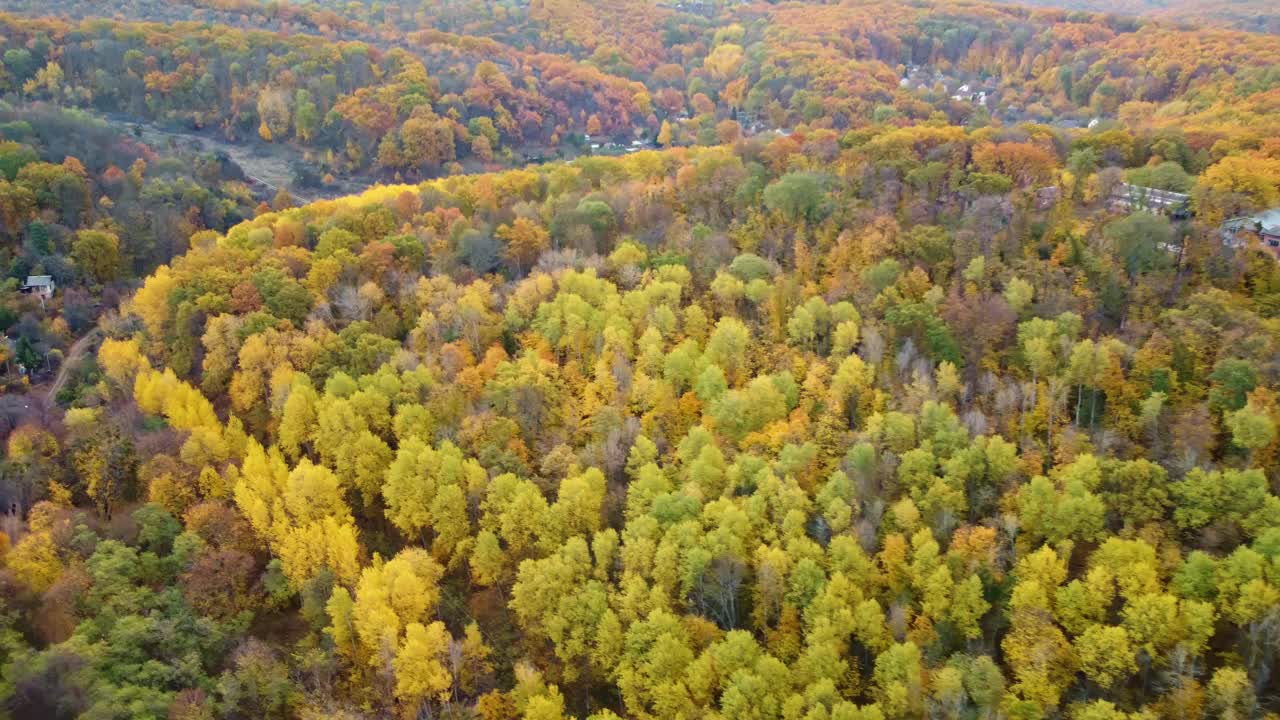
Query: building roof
[(1150, 197), (39, 280), (1269, 220)]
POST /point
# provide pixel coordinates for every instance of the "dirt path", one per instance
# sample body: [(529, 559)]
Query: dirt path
[(39, 403), (77, 349)]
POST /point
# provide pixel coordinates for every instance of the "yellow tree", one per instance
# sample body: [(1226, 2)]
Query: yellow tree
[(389, 597), (301, 513), (425, 489), (419, 666), (525, 241), (665, 134)]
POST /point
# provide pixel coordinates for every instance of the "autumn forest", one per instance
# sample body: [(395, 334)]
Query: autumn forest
[(652, 359)]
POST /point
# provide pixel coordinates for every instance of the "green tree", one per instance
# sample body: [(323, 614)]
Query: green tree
[(1251, 428), (1139, 241), (97, 254), (1232, 381), (798, 196), (421, 490)]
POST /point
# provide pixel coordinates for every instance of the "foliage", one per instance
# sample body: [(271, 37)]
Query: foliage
[(852, 420)]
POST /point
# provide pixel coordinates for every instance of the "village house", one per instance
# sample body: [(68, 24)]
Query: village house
[(1266, 225), (1269, 229), (39, 285)]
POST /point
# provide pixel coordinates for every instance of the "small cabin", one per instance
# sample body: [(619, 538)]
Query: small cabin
[(40, 285)]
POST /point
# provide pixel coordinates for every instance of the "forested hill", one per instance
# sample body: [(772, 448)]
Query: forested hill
[(472, 86), (847, 394), (1250, 15), (664, 435)]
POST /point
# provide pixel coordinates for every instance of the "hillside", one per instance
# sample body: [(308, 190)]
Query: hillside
[(846, 394), (1248, 15), (420, 95)]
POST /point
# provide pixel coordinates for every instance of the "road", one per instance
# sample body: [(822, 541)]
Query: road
[(77, 349), (39, 403)]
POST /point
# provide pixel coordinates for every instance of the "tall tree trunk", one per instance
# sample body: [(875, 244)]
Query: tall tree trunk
[(1048, 426), (1035, 391)]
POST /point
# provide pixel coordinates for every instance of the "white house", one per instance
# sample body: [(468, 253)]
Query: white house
[(40, 285)]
